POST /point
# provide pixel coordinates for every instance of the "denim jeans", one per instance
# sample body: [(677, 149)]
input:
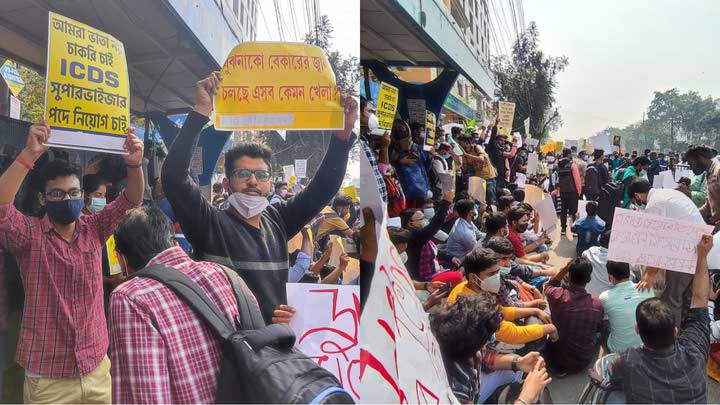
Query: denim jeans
[(490, 194)]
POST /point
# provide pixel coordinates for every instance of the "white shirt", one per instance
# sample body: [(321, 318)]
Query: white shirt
[(599, 282), (673, 204)]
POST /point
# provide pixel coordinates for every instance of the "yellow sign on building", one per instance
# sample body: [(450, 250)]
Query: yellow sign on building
[(278, 85), (87, 93)]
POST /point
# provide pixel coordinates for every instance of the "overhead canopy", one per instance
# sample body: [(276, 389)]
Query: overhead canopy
[(418, 33), (165, 58)]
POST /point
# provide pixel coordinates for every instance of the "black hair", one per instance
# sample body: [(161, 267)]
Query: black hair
[(591, 208), (619, 270), (444, 145), (604, 239), (342, 201), (699, 151), (646, 151), (279, 184), (494, 223), (466, 326), (580, 270), (145, 232), (398, 235), (55, 169), (250, 149), (454, 131), (363, 103), (92, 182), (598, 153), (405, 216), (639, 186), (500, 245), (464, 207), (505, 202), (641, 161), (656, 324), (515, 214), (479, 260), (519, 195), (566, 152), (512, 187), (217, 187)]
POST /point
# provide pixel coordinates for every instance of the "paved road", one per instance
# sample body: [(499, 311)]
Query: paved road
[(567, 390)]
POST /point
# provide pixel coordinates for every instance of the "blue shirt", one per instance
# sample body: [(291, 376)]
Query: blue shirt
[(462, 239), (302, 264), (619, 304), (588, 230)]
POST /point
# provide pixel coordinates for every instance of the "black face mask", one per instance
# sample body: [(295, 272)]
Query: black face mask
[(699, 169)]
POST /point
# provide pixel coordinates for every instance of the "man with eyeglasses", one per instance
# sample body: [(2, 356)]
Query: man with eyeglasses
[(63, 338), (251, 235)]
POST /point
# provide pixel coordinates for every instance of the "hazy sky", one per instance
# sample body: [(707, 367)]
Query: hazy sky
[(344, 16), (622, 51)]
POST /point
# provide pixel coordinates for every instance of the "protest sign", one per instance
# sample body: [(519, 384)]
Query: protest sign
[(401, 361), (616, 140), (681, 172), (533, 194), (386, 106), (559, 146), (532, 163), (657, 181), (518, 139), (446, 182), (581, 207), (714, 255), (12, 77), (506, 114), (278, 85), (429, 131), (416, 111), (532, 142), (546, 209), (667, 179), (526, 124), (569, 143), (288, 172), (15, 106), (87, 90), (113, 261), (327, 326), (301, 168), (351, 192), (394, 222), (654, 240), (476, 188), (548, 147), (370, 190), (337, 250)]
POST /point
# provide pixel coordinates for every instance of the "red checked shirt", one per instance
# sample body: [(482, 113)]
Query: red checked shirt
[(162, 353), (63, 332)]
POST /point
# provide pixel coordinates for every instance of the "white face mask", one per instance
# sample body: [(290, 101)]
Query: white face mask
[(283, 193), (491, 284), (404, 257), (248, 206)]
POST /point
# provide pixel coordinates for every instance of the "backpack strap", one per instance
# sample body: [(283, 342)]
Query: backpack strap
[(191, 294), (250, 316)]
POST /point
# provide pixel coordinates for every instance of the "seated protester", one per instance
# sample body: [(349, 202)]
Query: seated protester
[(533, 232), (588, 228), (423, 264), (474, 371), (483, 274), (670, 366), (334, 275), (464, 234), (519, 195), (330, 221), (147, 319), (597, 256), (300, 260), (518, 220), (495, 225), (505, 202), (504, 249), (281, 191), (578, 317), (619, 304)]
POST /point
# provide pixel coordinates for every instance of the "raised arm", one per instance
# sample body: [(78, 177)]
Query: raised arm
[(301, 209), (192, 210), (13, 177), (436, 223), (701, 280)]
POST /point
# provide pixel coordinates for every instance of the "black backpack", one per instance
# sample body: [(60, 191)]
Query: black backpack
[(259, 363), (611, 197)]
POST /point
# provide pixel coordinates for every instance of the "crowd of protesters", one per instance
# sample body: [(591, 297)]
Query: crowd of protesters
[(505, 319), (93, 334)]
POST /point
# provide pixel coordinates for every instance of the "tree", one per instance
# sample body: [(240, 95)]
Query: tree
[(32, 95), (347, 70), (529, 78)]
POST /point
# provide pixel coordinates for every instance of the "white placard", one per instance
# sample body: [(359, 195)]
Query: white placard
[(581, 208), (653, 240), (532, 163), (395, 221), (569, 143), (518, 139), (196, 162), (667, 179), (288, 172), (476, 188), (300, 168), (327, 327), (658, 181), (14, 107), (506, 114), (681, 172), (337, 250), (532, 142), (446, 181), (546, 210), (401, 357)]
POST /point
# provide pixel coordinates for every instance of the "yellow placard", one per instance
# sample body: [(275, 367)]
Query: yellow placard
[(386, 106), (429, 130), (548, 147), (115, 267), (351, 192), (559, 145), (506, 114), (278, 85), (87, 93), (12, 77)]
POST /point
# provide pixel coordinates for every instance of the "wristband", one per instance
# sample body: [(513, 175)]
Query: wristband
[(425, 286), (24, 162), (514, 364), (137, 166), (522, 401)]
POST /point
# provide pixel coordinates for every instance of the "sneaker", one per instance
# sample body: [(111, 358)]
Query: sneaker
[(562, 232)]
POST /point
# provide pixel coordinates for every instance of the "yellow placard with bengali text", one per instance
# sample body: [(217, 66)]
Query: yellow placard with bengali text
[(115, 267), (87, 91), (559, 145), (429, 131), (278, 85), (386, 106), (351, 192)]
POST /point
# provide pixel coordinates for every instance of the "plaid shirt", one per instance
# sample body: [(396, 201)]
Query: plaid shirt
[(374, 164), (162, 353), (63, 332), (578, 318)]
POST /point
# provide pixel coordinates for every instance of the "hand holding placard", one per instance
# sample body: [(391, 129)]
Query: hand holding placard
[(205, 90)]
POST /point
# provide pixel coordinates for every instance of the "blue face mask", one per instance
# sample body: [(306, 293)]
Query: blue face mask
[(446, 156), (65, 211), (97, 204), (504, 271), (429, 213)]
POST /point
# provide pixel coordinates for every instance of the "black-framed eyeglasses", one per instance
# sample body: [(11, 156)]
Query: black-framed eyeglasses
[(244, 174), (57, 194)]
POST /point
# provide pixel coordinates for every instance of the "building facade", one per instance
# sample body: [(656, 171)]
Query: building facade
[(246, 12)]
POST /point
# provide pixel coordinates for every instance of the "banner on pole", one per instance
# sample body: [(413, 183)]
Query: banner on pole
[(386, 106), (87, 93), (278, 85)]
